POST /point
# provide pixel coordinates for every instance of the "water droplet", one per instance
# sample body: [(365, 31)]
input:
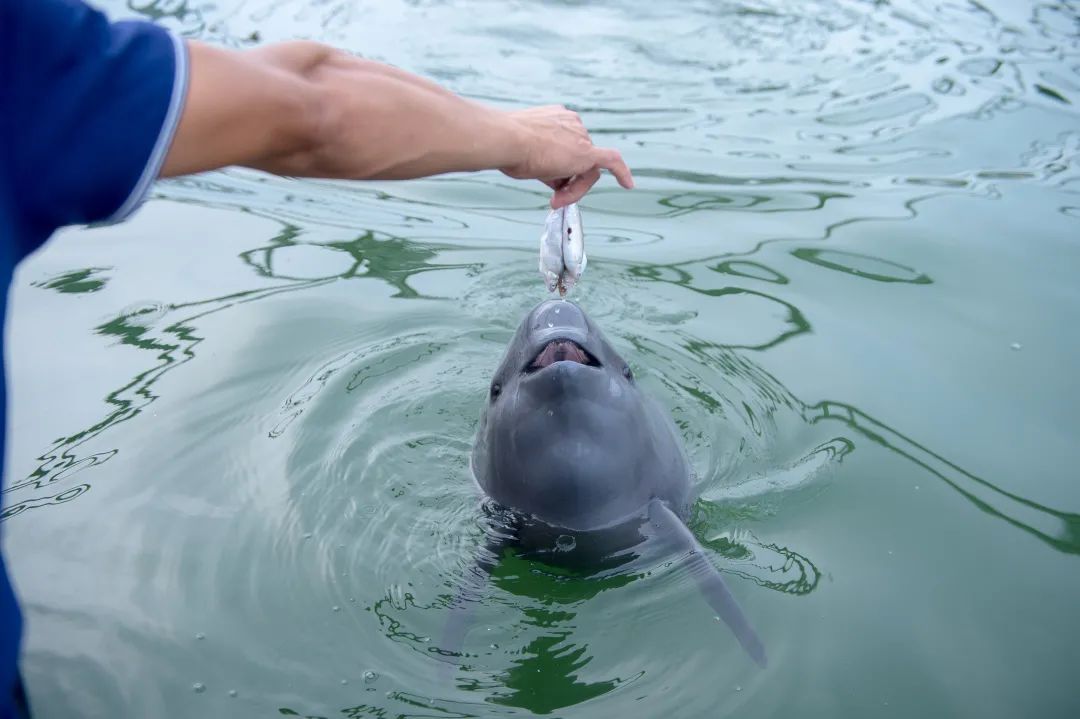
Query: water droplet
[(200, 635), (198, 687), (565, 543), (370, 676), (232, 693), (344, 682), (1016, 346), (337, 608)]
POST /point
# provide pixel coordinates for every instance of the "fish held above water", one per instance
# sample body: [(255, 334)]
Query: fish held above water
[(562, 249)]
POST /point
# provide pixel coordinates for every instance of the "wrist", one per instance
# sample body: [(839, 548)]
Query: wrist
[(507, 140)]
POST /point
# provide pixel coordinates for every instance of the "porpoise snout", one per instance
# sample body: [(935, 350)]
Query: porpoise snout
[(558, 318)]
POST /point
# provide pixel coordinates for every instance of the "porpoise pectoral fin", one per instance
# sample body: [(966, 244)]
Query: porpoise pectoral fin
[(469, 593), (710, 582)]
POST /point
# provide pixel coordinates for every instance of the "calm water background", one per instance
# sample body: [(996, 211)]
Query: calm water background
[(241, 421)]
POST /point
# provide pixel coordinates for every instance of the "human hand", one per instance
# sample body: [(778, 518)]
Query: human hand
[(556, 149)]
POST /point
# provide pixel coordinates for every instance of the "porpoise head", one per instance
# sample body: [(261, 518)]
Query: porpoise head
[(566, 435)]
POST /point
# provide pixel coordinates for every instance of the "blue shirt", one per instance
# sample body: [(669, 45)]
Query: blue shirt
[(88, 109)]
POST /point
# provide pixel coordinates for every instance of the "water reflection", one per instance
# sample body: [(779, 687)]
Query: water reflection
[(768, 127), (544, 674), (548, 664), (169, 332), (393, 260), (76, 281), (794, 323), (861, 265), (1057, 529)]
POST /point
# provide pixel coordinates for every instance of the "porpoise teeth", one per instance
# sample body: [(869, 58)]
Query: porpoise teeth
[(560, 351)]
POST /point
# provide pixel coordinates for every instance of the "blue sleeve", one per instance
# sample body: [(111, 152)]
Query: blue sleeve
[(92, 107)]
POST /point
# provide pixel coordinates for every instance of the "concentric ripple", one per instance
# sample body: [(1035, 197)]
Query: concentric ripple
[(238, 471)]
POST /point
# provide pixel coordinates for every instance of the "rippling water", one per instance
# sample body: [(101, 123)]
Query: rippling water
[(238, 479)]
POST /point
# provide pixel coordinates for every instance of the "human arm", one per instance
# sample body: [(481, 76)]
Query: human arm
[(305, 109)]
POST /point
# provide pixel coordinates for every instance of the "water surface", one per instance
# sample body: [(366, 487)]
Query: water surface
[(238, 478)]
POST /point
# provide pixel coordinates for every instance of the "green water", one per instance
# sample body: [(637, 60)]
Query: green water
[(240, 423)]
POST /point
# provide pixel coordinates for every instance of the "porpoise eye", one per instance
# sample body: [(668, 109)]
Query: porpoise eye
[(496, 388), (627, 373)]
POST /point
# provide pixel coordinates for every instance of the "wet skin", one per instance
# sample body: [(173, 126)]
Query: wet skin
[(584, 467)]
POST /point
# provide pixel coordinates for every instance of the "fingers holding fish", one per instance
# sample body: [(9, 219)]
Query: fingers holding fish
[(575, 189), (553, 144)]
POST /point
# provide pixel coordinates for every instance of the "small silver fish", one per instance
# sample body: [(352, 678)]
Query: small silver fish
[(562, 249), (551, 261)]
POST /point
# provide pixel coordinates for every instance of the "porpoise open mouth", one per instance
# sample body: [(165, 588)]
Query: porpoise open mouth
[(561, 351)]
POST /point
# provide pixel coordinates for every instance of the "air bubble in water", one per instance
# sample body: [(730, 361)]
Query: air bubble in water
[(198, 687), (232, 693), (1016, 345), (551, 324), (565, 543), (370, 676)]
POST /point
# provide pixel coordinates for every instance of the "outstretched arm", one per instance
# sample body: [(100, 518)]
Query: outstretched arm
[(305, 109)]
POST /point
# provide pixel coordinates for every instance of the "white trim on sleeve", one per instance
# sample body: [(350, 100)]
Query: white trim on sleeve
[(165, 136)]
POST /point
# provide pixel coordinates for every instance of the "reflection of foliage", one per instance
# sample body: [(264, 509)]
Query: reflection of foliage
[(552, 584), (390, 259), (179, 10), (76, 281), (425, 708), (806, 575), (975, 489), (819, 256), (660, 273), (392, 626), (545, 678), (795, 574), (750, 270)]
